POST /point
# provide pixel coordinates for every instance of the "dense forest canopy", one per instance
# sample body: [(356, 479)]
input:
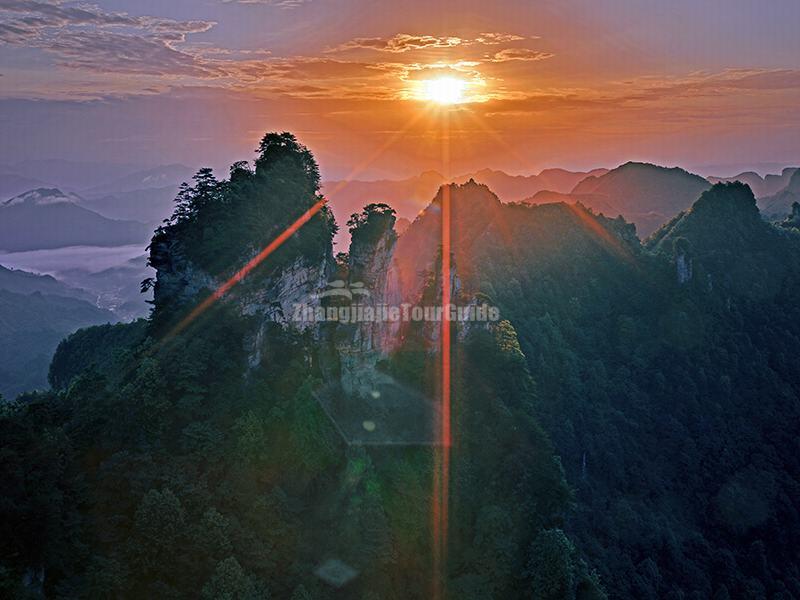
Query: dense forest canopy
[(627, 430)]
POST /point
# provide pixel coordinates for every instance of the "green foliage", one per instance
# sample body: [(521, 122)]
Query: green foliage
[(159, 523), (551, 566), (372, 222), (616, 430), (218, 225), (669, 405), (230, 582)]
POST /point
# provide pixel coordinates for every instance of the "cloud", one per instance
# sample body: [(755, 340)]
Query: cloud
[(109, 52), (689, 98), (719, 84), (492, 39), (93, 40), (90, 38), (299, 68), (285, 4), (34, 15), (403, 42), (510, 54)]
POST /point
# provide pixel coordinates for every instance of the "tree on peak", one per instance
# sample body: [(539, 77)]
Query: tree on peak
[(372, 222), (191, 201), (732, 197), (284, 149), (240, 171), (377, 211)]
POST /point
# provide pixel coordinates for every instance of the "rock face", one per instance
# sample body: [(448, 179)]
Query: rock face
[(271, 300), (360, 346), (177, 280), (380, 274), (275, 299)]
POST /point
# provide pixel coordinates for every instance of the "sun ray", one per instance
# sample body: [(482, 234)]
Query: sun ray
[(364, 164)]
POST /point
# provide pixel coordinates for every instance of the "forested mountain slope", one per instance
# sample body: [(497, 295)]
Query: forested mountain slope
[(36, 312), (194, 460), (627, 429)]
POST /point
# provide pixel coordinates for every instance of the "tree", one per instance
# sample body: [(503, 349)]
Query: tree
[(373, 220), (550, 566), (158, 525), (283, 148), (230, 582), (301, 593)]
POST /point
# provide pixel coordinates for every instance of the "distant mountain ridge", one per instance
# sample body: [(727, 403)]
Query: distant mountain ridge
[(23, 282), (515, 188), (762, 186), (41, 197), (12, 184), (780, 203), (645, 194), (411, 195), (47, 218), (36, 312), (149, 205), (157, 177)]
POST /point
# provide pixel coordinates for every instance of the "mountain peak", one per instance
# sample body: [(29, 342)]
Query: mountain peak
[(727, 199), (41, 196), (794, 182), (633, 165), (724, 215), (470, 192), (431, 174)]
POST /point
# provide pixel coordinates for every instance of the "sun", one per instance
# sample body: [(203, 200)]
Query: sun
[(444, 90)]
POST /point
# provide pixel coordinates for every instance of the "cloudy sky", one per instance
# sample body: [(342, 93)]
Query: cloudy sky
[(575, 83)]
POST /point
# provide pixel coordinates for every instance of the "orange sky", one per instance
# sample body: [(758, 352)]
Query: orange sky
[(571, 83)]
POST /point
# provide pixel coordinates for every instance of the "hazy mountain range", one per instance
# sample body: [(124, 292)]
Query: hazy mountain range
[(409, 196), (761, 186), (119, 206), (146, 195), (36, 313), (122, 192), (780, 203), (645, 194), (49, 218)]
